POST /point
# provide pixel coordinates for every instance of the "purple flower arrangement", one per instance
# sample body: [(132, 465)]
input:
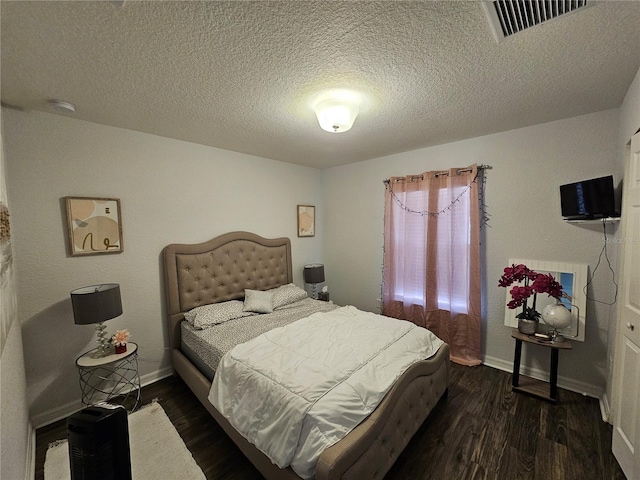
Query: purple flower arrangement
[(529, 283)]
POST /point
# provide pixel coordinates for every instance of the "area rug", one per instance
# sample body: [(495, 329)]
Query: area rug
[(157, 450)]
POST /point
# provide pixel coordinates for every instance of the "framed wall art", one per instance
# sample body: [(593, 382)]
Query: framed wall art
[(94, 225), (306, 220), (573, 278)]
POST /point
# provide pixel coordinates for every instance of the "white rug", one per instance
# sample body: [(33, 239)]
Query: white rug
[(157, 450)]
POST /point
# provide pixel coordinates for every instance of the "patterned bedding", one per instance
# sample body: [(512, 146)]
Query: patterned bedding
[(206, 347)]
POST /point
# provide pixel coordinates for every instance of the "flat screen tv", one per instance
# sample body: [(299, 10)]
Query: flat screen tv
[(589, 199)]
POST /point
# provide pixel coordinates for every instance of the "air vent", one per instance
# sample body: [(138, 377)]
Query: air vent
[(508, 17)]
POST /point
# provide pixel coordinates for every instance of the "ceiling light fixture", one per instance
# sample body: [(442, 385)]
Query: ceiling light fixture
[(337, 110), (62, 106)]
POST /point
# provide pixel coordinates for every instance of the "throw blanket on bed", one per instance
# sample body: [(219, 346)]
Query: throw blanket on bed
[(298, 389)]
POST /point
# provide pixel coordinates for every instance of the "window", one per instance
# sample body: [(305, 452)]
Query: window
[(431, 272)]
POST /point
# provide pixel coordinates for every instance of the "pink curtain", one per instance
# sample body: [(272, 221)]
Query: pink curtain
[(431, 273)]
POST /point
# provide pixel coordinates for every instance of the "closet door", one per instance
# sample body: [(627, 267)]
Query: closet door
[(626, 427)]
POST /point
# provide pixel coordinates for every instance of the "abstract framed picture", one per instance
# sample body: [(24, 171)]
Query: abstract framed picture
[(94, 225), (306, 220)]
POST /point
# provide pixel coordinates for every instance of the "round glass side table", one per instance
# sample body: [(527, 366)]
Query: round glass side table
[(113, 378)]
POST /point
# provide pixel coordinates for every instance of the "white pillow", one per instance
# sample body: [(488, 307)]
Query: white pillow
[(215, 313), (286, 294), (258, 301)]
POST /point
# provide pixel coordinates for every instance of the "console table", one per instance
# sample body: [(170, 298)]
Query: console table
[(532, 386)]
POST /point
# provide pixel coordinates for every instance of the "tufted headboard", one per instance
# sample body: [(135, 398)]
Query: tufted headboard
[(220, 270)]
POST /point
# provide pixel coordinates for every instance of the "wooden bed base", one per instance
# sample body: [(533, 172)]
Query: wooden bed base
[(370, 449)]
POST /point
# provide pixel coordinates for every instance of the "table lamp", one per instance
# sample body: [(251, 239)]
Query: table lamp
[(314, 274), (96, 304), (557, 316)]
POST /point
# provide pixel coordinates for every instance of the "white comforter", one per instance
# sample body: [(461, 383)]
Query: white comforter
[(297, 390)]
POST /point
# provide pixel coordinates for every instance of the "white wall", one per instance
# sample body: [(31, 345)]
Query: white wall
[(522, 197), (17, 439), (170, 192), (630, 113)]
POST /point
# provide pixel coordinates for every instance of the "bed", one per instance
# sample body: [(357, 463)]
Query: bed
[(220, 270)]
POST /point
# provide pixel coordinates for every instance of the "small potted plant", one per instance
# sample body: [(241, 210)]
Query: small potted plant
[(119, 340), (529, 283)]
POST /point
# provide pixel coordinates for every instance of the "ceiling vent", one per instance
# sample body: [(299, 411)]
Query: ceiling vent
[(508, 17)]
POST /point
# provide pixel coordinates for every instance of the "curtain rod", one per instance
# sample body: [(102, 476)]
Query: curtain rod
[(459, 171)]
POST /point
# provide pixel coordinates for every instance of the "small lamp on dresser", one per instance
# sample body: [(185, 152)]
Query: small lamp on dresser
[(314, 274), (97, 304)]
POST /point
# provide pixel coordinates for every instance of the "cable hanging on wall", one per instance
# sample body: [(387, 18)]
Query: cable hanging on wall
[(479, 179), (593, 274)]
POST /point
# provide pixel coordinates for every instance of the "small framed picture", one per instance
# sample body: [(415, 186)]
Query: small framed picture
[(306, 220), (94, 225)]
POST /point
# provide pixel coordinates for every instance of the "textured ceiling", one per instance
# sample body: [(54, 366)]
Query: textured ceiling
[(239, 74)]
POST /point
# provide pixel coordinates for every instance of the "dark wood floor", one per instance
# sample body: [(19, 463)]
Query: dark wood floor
[(481, 431)]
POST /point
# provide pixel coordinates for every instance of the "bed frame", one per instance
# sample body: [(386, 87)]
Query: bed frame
[(220, 270)]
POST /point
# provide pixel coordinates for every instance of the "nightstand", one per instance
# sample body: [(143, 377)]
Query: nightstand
[(113, 378), (530, 385)]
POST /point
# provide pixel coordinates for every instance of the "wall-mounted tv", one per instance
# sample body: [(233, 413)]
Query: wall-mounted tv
[(588, 199)]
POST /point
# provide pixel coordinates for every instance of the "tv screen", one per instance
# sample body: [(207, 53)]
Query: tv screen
[(588, 199)]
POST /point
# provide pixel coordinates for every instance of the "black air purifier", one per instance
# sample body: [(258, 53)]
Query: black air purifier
[(99, 443)]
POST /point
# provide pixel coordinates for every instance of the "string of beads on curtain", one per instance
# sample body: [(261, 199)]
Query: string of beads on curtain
[(484, 216)]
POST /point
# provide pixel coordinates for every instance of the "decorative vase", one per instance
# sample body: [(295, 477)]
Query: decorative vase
[(557, 316), (527, 326), (121, 348)]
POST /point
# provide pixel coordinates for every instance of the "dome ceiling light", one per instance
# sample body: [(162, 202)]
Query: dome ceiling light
[(337, 110), (62, 105)]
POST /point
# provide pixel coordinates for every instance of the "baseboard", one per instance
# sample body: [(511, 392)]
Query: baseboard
[(153, 377), (605, 409), (63, 411), (58, 413), (570, 384), (498, 363)]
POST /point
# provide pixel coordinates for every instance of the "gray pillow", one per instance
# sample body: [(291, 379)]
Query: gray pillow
[(215, 313), (258, 301), (286, 294)]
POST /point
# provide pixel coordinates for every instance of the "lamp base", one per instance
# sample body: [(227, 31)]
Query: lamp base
[(556, 337), (103, 344)]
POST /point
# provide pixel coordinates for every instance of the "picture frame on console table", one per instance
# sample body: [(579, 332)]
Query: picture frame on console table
[(573, 278), (94, 225), (306, 221)]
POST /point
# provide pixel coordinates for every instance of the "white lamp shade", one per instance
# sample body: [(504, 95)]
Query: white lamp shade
[(336, 115), (557, 316)]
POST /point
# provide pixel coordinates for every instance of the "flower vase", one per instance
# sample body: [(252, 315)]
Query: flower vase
[(527, 326), (121, 348)]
